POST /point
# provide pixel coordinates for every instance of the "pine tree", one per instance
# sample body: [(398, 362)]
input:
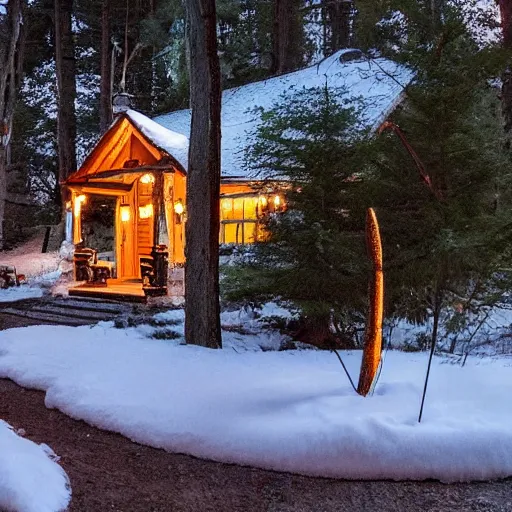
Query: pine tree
[(315, 254)]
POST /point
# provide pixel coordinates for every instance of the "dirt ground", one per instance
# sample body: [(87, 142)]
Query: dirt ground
[(108, 472)]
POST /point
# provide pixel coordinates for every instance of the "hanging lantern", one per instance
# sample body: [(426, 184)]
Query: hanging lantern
[(145, 212), (263, 201), (277, 201), (125, 212), (146, 179)]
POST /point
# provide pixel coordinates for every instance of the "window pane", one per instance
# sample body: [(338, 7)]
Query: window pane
[(238, 208), (251, 204), (232, 233)]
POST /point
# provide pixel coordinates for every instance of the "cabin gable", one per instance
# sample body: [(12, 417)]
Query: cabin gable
[(121, 143)]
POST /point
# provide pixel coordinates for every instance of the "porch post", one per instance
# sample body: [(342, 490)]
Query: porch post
[(160, 257), (158, 189)]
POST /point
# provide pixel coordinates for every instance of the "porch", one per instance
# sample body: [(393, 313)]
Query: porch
[(115, 289)]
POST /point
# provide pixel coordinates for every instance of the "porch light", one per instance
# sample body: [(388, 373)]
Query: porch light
[(146, 179), (145, 212), (263, 201), (178, 207), (79, 200), (125, 212), (277, 201)]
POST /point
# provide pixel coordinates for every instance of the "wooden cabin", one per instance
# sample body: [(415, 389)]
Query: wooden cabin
[(132, 187), (127, 203)]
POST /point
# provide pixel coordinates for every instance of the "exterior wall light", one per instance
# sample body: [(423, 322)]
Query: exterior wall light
[(146, 179), (178, 207), (145, 212), (125, 212), (79, 200), (179, 210)]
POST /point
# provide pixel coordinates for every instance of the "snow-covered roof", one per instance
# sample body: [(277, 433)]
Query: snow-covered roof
[(172, 142), (378, 83)]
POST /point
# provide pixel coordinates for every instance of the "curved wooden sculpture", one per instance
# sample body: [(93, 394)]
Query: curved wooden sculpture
[(373, 334)]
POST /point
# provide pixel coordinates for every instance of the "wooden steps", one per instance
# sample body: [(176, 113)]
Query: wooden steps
[(64, 311)]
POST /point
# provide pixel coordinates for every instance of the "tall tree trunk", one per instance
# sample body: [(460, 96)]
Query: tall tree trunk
[(287, 36), (506, 90), (66, 86), (12, 39), (340, 21), (106, 81), (202, 309)]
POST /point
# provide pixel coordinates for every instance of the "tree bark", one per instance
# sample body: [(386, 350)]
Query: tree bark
[(12, 39), (287, 36), (202, 309), (66, 87), (340, 22), (506, 90), (106, 66)]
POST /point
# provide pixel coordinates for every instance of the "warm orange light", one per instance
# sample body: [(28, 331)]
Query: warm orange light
[(263, 201), (145, 212), (373, 334), (277, 201), (79, 200), (147, 179), (178, 207), (125, 212), (227, 204)]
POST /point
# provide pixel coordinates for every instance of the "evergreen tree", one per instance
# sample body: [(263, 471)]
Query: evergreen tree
[(315, 252), (442, 197)]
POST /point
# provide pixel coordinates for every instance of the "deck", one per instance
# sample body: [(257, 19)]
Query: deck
[(116, 289)]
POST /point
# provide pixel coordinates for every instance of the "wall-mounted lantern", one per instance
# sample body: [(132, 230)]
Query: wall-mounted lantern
[(145, 212), (125, 212), (146, 179), (79, 200), (179, 210)]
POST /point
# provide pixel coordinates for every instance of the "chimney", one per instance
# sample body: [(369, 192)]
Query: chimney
[(121, 102)]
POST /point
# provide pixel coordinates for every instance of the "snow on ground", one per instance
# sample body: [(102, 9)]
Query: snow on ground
[(489, 333), (288, 411), (40, 270), (20, 293), (29, 260), (33, 290), (243, 329), (30, 478)]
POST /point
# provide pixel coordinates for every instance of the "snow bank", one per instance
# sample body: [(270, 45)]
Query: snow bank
[(20, 293), (30, 478), (34, 290), (243, 329), (287, 411)]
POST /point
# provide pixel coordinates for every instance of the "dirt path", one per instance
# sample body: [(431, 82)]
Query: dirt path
[(110, 473)]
